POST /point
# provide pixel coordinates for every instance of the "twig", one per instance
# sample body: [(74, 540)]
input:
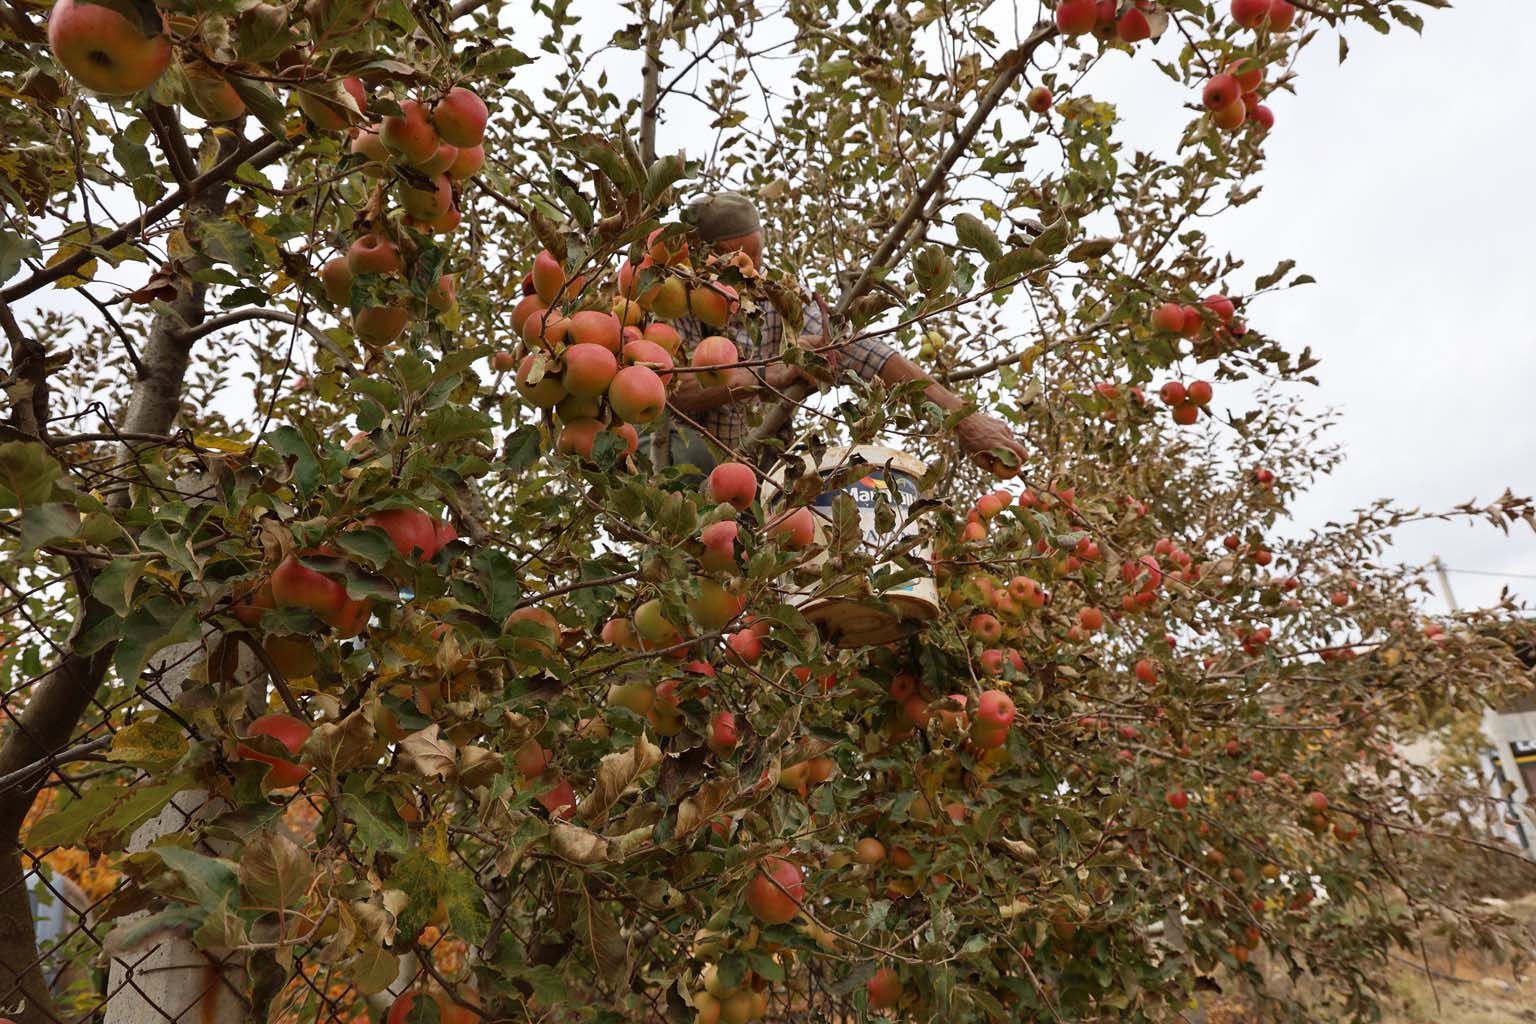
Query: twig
[(261, 150), (80, 752), (1010, 68)]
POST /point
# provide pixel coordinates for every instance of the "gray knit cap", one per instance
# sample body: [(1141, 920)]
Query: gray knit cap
[(721, 215)]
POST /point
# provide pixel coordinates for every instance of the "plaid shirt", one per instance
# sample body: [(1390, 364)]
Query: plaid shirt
[(763, 338)]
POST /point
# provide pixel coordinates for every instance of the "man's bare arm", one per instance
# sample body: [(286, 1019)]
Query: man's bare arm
[(690, 398), (977, 432)]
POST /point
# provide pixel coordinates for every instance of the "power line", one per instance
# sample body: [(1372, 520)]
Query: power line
[(1484, 572)]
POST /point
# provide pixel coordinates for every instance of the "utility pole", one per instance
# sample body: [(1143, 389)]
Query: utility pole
[(1445, 584)]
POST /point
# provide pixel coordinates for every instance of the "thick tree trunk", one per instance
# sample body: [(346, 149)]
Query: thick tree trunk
[(43, 728), (59, 699)]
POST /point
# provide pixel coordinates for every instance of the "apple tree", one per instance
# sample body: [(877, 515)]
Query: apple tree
[(369, 644)]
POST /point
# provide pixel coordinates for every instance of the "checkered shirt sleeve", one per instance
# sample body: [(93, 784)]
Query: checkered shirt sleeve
[(863, 357)]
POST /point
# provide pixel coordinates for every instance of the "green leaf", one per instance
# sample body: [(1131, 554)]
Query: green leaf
[(663, 174), (1272, 278), (67, 825), (426, 883), (136, 932), (152, 743), (47, 524), (1091, 249), (377, 823), (151, 628), (973, 234), (221, 929), (523, 448), (260, 101), (115, 584), (27, 474), (288, 442), (212, 881), (452, 422), (228, 241), (596, 151), (465, 903), (374, 969), (502, 58), (1054, 238), (14, 249), (500, 582), (1020, 261), (371, 544)]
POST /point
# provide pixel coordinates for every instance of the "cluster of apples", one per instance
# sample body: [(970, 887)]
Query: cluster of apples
[(292, 584), (1189, 321), (716, 1003), (1108, 19), (731, 488), (599, 370), (1186, 400), (985, 725), (605, 365), (425, 152), (1233, 99)]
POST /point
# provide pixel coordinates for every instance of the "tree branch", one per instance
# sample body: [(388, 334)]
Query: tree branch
[(218, 323), (1009, 69), (29, 371), (259, 152)]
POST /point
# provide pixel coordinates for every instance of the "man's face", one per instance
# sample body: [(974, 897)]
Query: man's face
[(750, 245)]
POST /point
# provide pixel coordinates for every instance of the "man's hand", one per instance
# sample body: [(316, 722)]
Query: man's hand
[(781, 375), (976, 433)]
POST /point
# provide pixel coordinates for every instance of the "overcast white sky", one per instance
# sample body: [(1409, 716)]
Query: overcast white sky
[(1401, 180)]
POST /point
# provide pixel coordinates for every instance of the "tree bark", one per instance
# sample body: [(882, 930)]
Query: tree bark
[(60, 698), (44, 727)]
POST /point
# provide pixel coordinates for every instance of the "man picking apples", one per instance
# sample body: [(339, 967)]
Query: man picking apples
[(729, 223)]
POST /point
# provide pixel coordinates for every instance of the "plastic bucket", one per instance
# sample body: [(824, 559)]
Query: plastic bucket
[(848, 614)]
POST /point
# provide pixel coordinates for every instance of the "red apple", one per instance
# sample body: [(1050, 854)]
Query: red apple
[(732, 482), (1133, 26), (374, 254), (589, 369), (460, 117), (409, 135), (884, 989), (1250, 13), (1221, 91), (1074, 17), (637, 394), (594, 327), (105, 51), (288, 731), (713, 304), (1168, 318), (714, 351), (776, 891), (412, 531), (797, 528), (722, 733)]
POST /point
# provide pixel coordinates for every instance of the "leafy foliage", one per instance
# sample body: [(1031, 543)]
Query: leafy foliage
[(481, 758)]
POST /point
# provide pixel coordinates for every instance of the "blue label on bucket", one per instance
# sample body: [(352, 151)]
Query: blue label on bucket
[(896, 488)]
